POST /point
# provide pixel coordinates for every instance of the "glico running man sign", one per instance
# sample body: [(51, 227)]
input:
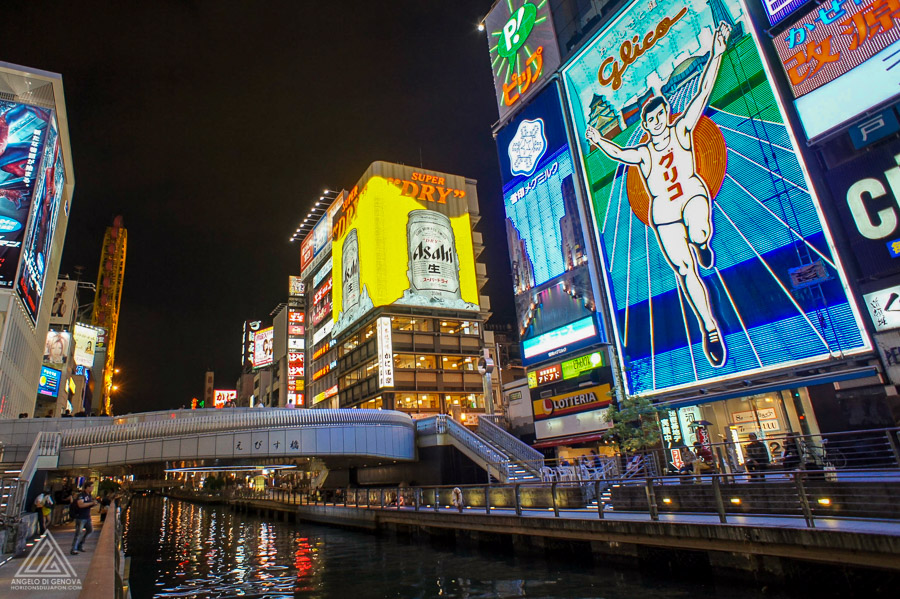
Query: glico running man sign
[(717, 260)]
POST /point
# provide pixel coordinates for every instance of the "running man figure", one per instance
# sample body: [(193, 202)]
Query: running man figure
[(680, 203)]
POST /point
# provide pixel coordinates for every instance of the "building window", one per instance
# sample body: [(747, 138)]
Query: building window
[(458, 362), (403, 323), (373, 404), (404, 361)]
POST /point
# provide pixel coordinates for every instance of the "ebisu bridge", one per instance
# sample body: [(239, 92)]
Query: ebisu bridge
[(382, 470)]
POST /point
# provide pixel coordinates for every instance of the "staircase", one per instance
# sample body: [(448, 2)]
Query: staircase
[(504, 457)]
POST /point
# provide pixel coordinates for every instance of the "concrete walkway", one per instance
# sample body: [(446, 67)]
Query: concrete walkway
[(80, 563)]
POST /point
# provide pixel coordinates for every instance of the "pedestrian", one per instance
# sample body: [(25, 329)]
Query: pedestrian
[(83, 504), (688, 458), (757, 457), (790, 459), (595, 459), (43, 505)]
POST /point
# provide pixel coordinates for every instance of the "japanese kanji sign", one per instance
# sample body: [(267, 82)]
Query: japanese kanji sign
[(835, 37)]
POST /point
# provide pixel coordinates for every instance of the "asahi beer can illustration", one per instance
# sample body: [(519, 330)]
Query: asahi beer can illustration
[(350, 268), (433, 263)]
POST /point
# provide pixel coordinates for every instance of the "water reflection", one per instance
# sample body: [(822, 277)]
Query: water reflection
[(181, 549)]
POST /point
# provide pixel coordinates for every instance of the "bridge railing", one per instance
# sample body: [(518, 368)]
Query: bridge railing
[(801, 497), (231, 421), (522, 452), (441, 424)]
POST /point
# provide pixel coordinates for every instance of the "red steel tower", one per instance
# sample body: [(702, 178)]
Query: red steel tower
[(108, 299)]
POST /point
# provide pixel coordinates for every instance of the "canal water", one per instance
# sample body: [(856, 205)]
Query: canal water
[(181, 549)]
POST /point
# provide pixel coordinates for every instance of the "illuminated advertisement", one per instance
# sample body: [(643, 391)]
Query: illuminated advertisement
[(544, 232), (56, 347), (385, 353), (883, 307), (778, 10), (296, 287), (22, 140), (716, 257), (583, 400), (296, 355), (49, 382), (523, 47), (319, 238), (569, 369), (330, 392), (321, 274), (248, 347), (836, 50), (323, 331), (866, 193), (63, 302), (403, 237), (306, 252), (221, 397), (263, 347), (85, 338), (38, 242), (322, 303)]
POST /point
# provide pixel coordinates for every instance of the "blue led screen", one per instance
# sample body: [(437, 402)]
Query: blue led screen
[(49, 383), (716, 258), (547, 250)]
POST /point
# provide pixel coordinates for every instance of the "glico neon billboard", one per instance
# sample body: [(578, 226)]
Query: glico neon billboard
[(717, 260)]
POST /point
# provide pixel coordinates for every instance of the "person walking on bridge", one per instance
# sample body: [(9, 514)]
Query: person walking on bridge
[(82, 508)]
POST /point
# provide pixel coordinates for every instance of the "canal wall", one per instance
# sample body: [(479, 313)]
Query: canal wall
[(832, 561)]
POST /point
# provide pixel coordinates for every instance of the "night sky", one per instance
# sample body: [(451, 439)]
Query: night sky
[(212, 127)]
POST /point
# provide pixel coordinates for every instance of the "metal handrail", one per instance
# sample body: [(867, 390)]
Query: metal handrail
[(444, 425), (231, 421), (528, 456)]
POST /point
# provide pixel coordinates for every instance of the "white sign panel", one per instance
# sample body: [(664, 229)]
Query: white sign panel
[(888, 345), (385, 353), (85, 343), (324, 330), (749, 416), (884, 308), (750, 427), (264, 351)]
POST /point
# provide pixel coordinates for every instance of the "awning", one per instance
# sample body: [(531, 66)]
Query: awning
[(571, 439)]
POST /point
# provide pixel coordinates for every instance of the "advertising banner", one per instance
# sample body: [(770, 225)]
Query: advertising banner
[(524, 50), (866, 193), (63, 303), (22, 141), (264, 347), (49, 382), (836, 50), (717, 260), (884, 308), (56, 347), (221, 397), (322, 303), (385, 353), (583, 400), (248, 345), (38, 242), (296, 286), (555, 299), (403, 237), (85, 338), (306, 252)]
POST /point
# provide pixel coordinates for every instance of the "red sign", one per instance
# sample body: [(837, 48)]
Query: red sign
[(549, 374), (324, 290), (306, 252), (296, 317), (835, 37)]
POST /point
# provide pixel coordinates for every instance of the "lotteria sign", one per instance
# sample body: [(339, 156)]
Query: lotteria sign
[(523, 47), (583, 400)]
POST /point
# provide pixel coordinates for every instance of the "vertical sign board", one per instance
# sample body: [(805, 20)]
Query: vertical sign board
[(63, 303), (555, 300), (866, 193), (38, 243), (840, 59), (296, 354), (717, 260), (385, 353), (524, 50), (264, 350), (248, 345)]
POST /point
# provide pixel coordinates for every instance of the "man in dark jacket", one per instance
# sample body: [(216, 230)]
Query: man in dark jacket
[(757, 457)]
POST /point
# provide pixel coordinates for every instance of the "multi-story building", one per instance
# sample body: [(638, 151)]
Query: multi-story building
[(395, 316), (36, 185)]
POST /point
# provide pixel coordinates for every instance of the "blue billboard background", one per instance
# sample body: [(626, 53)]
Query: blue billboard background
[(23, 131), (547, 249)]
